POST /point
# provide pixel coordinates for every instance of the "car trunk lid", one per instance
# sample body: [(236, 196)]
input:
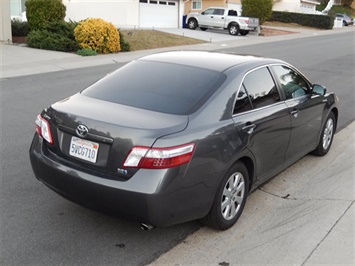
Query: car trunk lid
[(112, 130)]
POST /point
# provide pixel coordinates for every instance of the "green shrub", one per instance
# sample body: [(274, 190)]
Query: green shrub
[(19, 28), (39, 12), (98, 35), (44, 39), (310, 20), (261, 9), (86, 52), (56, 36), (125, 46), (62, 28)]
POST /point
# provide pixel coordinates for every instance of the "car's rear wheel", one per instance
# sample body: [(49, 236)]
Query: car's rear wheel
[(230, 199), (203, 28), (326, 138), (192, 23), (244, 32), (233, 29)]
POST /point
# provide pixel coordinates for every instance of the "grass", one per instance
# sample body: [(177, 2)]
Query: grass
[(150, 39)]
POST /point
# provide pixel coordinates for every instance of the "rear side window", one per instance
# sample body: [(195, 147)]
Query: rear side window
[(243, 103), (261, 88), (162, 87)]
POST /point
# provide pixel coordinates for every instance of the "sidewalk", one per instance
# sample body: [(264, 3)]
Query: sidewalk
[(18, 60)]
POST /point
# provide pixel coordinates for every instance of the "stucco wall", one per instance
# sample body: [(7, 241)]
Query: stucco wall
[(120, 13), (289, 6), (205, 4), (5, 21)]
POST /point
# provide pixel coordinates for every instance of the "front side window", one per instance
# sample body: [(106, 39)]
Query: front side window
[(196, 5), (261, 88), (292, 83)]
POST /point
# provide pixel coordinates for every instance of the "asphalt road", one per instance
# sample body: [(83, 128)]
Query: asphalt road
[(38, 227)]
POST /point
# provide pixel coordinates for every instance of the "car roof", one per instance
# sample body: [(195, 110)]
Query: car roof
[(208, 60)]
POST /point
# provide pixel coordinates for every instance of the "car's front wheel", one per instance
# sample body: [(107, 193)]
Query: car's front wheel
[(230, 198), (326, 138)]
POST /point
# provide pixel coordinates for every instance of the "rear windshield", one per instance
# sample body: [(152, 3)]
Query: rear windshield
[(162, 87)]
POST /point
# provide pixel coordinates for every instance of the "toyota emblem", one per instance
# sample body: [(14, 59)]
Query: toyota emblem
[(82, 131)]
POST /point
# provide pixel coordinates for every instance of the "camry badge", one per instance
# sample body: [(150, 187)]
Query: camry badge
[(82, 131)]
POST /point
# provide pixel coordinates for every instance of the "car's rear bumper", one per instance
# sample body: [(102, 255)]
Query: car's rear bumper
[(158, 200)]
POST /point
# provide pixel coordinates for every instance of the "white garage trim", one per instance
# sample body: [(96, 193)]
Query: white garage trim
[(158, 14)]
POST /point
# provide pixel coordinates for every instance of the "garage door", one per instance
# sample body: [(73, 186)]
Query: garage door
[(158, 14)]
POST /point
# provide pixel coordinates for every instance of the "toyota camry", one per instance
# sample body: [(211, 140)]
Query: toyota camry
[(181, 136)]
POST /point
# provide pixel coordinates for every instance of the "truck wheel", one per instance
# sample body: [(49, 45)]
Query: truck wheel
[(244, 32), (192, 24), (233, 29), (203, 28)]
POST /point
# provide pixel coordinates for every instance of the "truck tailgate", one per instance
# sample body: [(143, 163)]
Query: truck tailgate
[(253, 22)]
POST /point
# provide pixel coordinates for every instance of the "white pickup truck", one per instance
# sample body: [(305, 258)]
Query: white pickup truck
[(221, 18)]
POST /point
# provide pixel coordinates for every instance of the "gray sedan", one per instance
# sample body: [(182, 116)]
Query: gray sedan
[(179, 136)]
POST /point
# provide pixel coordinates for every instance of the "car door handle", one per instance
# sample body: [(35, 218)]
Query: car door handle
[(211, 16), (294, 113), (222, 17), (249, 128)]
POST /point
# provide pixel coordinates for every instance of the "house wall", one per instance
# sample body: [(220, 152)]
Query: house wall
[(295, 6), (121, 13), (289, 6), (5, 22), (205, 4), (210, 3), (307, 8)]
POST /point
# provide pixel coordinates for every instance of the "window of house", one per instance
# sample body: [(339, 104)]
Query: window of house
[(197, 5)]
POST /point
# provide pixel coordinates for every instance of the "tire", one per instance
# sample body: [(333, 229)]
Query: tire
[(233, 29), (203, 28), (326, 138), (244, 32), (230, 199), (192, 24)]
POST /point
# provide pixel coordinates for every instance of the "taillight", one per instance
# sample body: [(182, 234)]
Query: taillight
[(159, 158), (247, 21), (43, 129)]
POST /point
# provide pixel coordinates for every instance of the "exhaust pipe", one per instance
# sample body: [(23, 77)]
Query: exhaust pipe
[(146, 227)]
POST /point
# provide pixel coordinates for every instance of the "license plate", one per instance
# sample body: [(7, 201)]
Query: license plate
[(84, 149)]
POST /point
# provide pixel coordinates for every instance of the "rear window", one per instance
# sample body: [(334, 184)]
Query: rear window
[(162, 87)]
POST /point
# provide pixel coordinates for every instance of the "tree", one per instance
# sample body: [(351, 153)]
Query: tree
[(39, 12), (261, 9)]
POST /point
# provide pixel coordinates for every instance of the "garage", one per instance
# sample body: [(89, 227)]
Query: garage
[(158, 14)]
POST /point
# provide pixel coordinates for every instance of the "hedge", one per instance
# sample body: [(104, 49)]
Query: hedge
[(310, 20)]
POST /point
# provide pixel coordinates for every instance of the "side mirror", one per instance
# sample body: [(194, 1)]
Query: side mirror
[(319, 89), (202, 13)]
